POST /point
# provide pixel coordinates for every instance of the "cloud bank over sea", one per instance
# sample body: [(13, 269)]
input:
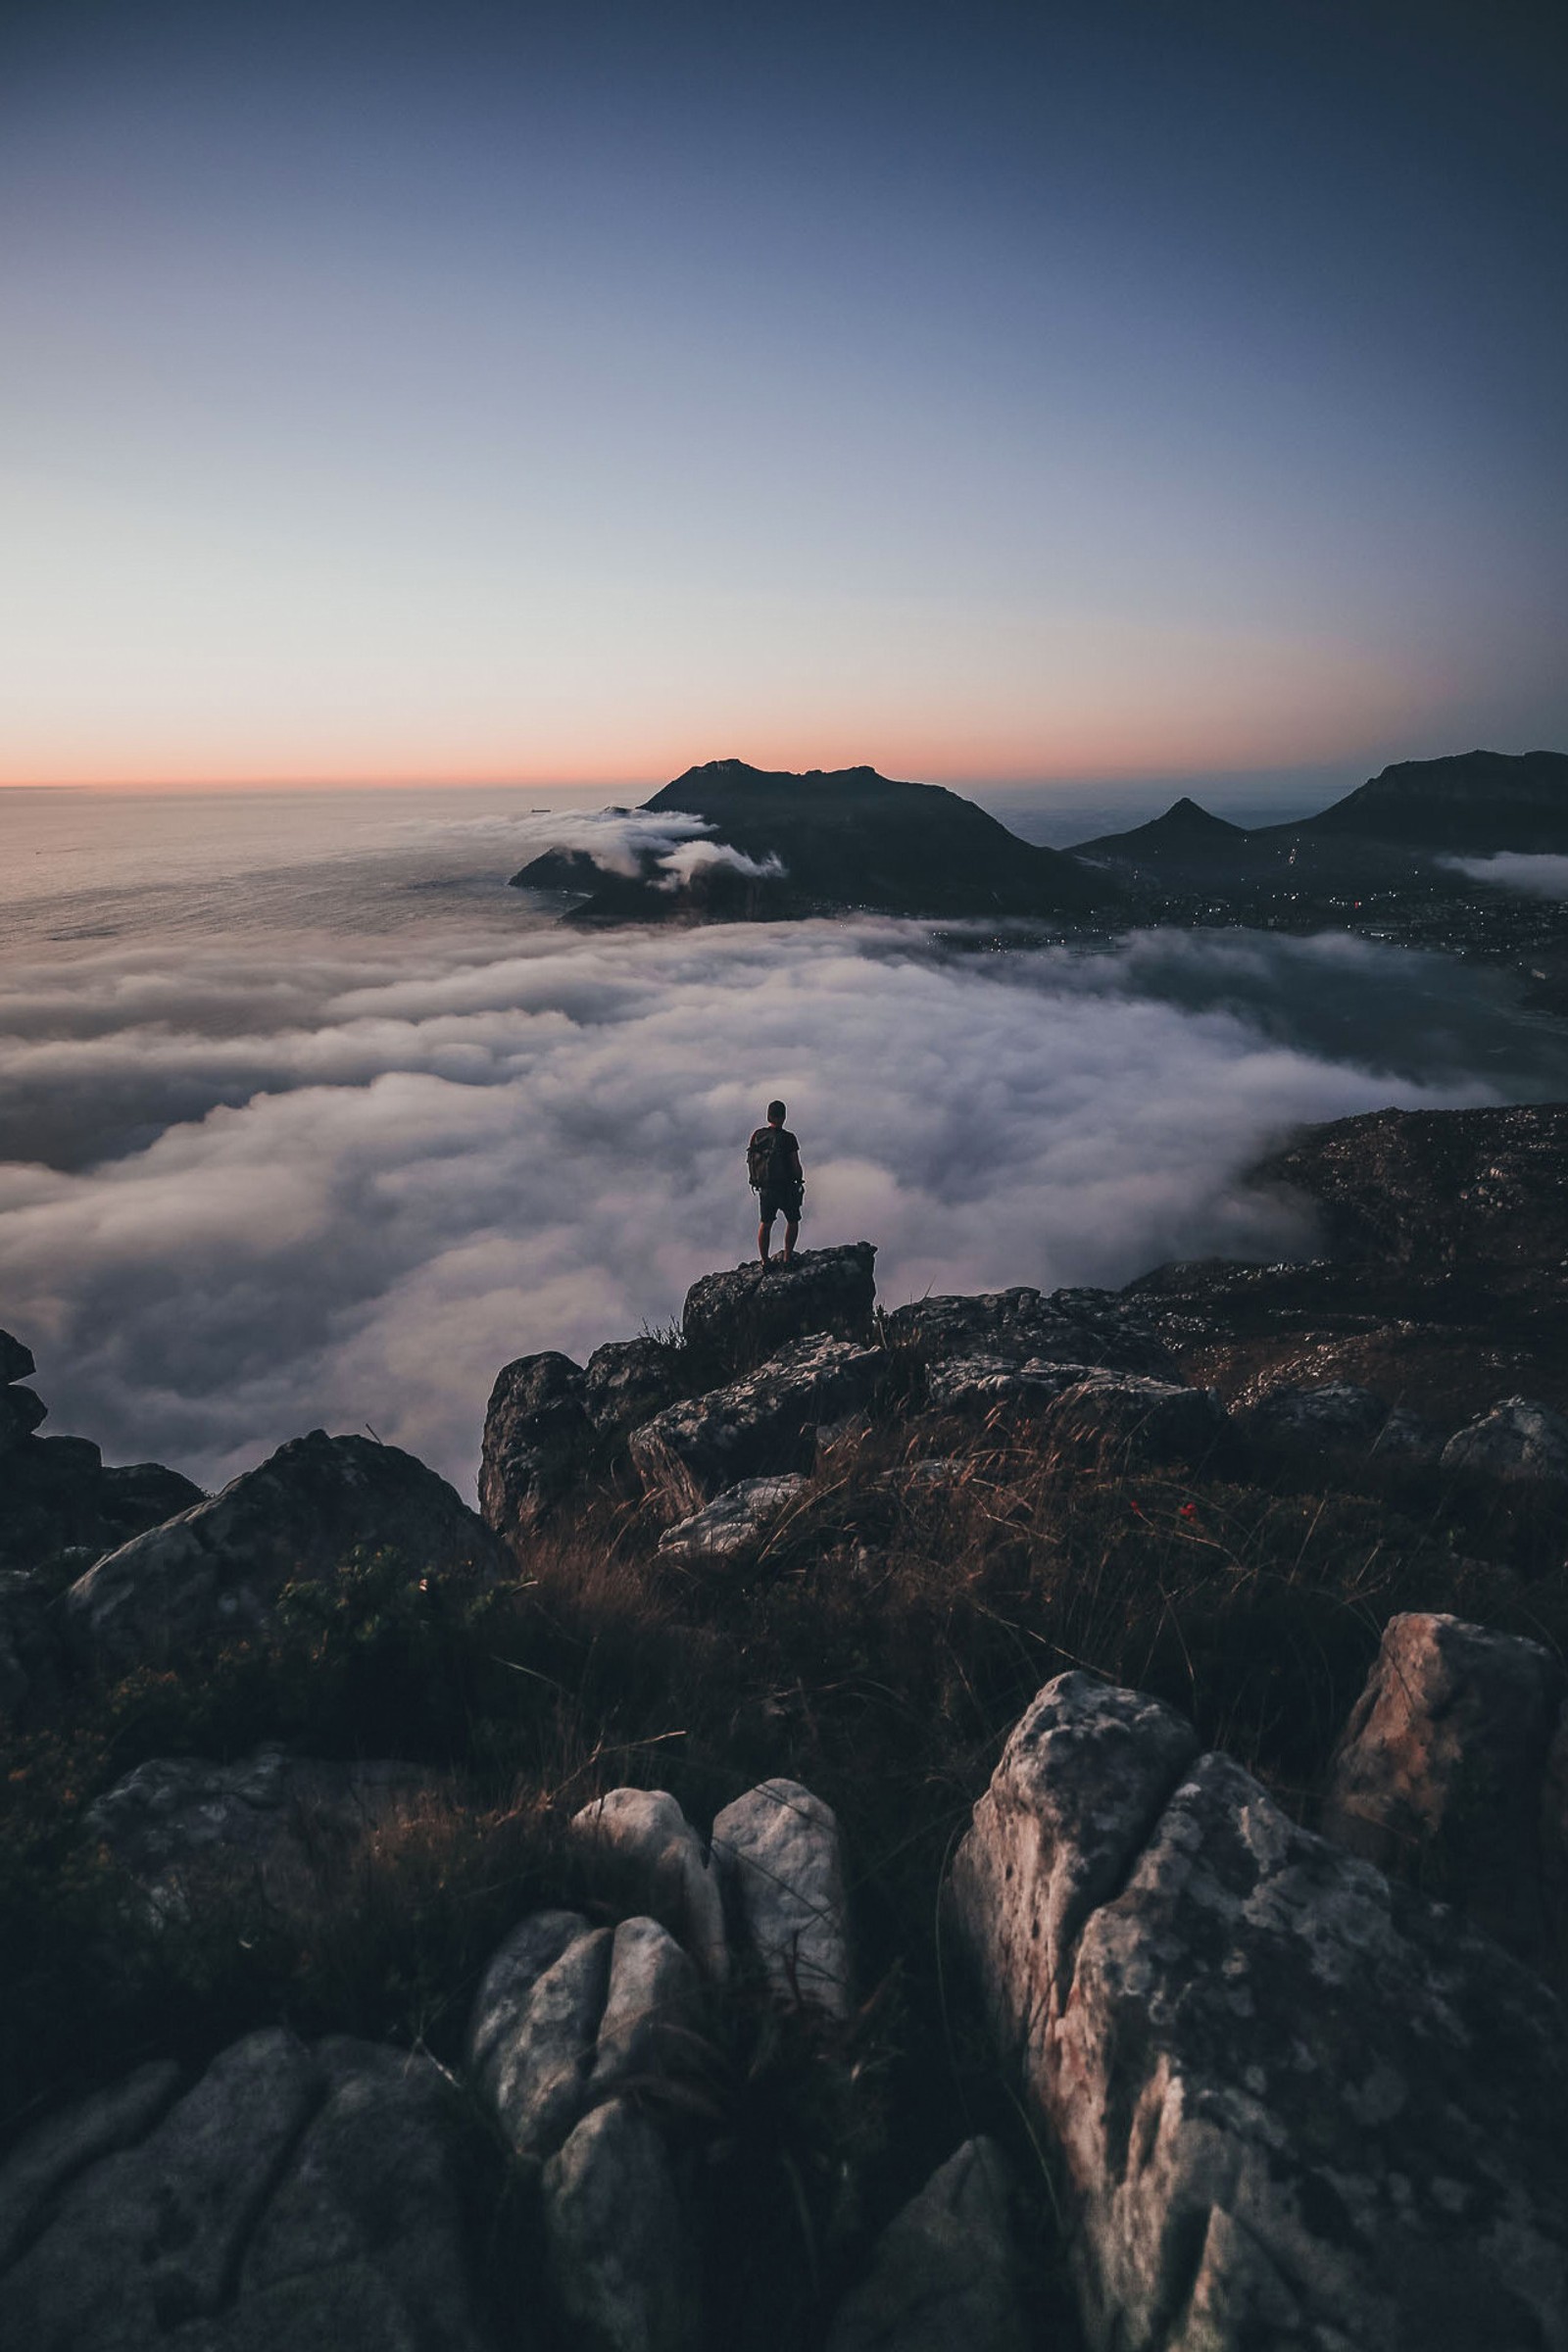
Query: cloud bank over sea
[(249, 1192)]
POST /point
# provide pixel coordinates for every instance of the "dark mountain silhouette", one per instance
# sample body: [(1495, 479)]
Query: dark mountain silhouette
[(1481, 800), (1183, 831), (844, 838)]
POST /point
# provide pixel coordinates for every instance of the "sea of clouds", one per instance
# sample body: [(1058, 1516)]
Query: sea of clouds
[(251, 1187)]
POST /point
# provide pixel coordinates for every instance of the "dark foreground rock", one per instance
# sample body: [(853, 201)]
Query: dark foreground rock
[(1120, 1421), (754, 1428), (944, 2274), (57, 1497), (220, 1567), (273, 1818), (1295, 2105), (536, 1435), (746, 1313), (1441, 1775), (1106, 1330), (1443, 1279), (293, 2198)]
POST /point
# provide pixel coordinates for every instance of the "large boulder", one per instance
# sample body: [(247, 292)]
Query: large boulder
[(739, 1317), (1439, 1773), (944, 2275), (291, 2199), (1126, 1421), (622, 2252), (177, 1821), (218, 1567), (56, 1496), (627, 1381), (778, 1854), (644, 1855), (1338, 1417), (1520, 1438), (754, 1427), (536, 1435), (991, 1383), (1105, 1329), (733, 1522), (1293, 2104)]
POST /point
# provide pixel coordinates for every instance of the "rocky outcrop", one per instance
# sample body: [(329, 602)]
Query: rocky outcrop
[(754, 1427), (1337, 1418), (988, 1383), (57, 1498), (741, 1317), (1444, 1278), (644, 1855), (944, 2275), (218, 1567), (290, 2197), (627, 1381), (276, 1819), (1519, 1438), (1106, 1330), (733, 1522), (1292, 2104), (1119, 1421), (1441, 1774), (536, 1435), (778, 1854)]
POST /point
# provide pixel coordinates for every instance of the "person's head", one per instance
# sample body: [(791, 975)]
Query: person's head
[(775, 1115)]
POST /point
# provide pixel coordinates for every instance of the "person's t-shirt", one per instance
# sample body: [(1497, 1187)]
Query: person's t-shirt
[(784, 1171)]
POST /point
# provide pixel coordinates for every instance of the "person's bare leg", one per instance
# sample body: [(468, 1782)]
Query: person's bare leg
[(792, 1232), (765, 1235)]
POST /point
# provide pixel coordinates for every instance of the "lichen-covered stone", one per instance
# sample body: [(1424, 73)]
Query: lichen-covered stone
[(944, 2275), (218, 1567), (990, 1381), (645, 1855), (756, 1427), (733, 1521), (1125, 1421), (1295, 2105), (1439, 1771), (622, 2256), (536, 1435), (1103, 1328), (628, 1380), (1520, 1438), (777, 1852), (742, 1315)]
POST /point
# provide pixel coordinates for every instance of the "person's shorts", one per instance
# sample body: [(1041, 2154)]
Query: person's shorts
[(785, 1204)]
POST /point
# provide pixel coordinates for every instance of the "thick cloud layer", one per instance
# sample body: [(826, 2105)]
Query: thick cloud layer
[(1539, 876), (245, 1196)]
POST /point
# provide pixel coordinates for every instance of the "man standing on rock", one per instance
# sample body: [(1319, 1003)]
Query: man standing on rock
[(773, 1165)]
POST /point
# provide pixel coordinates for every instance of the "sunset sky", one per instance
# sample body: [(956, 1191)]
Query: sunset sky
[(991, 392)]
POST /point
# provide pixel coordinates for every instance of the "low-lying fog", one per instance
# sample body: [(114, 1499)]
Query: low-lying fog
[(259, 1180)]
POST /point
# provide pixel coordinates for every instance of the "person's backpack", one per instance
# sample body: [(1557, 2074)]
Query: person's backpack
[(767, 1160)]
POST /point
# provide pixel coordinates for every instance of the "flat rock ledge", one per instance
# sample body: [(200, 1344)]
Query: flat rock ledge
[(1294, 2105)]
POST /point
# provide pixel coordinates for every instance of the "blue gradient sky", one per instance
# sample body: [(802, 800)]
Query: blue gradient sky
[(994, 393)]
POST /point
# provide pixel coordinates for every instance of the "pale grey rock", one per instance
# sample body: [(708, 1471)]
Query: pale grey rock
[(506, 1988), (651, 2011), (733, 1521), (532, 2036), (627, 1381), (1124, 1421), (646, 1855), (777, 1852), (754, 1427), (1295, 2105), (620, 2249), (278, 1818), (219, 1566), (376, 2186), (51, 2155), (944, 2275), (536, 1438), (154, 2235), (998, 1380), (1439, 1771), (746, 1313), (1103, 1328), (1520, 1438)]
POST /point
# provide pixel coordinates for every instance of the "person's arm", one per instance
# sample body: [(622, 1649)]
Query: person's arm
[(799, 1172)]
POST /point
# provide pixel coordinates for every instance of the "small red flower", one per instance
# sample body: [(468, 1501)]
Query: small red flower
[(1188, 1510)]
